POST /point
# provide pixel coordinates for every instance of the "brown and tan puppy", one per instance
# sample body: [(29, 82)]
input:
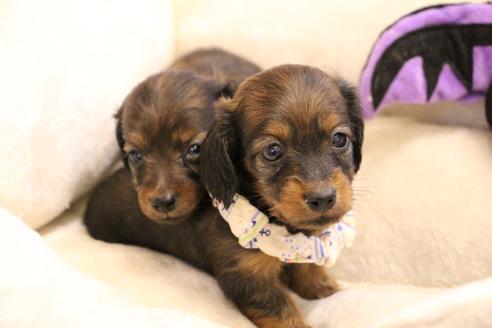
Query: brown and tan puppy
[(163, 122), (160, 128), (290, 141)]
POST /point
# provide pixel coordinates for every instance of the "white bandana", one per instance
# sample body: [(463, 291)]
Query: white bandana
[(253, 230)]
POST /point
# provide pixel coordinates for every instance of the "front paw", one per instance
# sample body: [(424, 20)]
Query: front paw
[(318, 288), (310, 281), (294, 320)]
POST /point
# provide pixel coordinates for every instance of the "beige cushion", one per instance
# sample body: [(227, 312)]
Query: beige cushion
[(65, 68), (38, 289), (423, 201)]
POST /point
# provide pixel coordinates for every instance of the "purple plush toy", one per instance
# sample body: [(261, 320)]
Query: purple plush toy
[(438, 53)]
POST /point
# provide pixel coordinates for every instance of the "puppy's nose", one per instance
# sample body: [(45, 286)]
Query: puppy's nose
[(164, 204), (321, 199)]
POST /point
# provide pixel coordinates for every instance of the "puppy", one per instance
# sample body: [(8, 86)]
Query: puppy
[(160, 128), (290, 141)]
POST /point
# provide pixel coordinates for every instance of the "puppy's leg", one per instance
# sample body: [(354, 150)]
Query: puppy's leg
[(310, 281), (253, 284)]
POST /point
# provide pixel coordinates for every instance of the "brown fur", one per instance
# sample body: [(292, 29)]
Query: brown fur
[(289, 317), (278, 130), (257, 264), (310, 281), (328, 123)]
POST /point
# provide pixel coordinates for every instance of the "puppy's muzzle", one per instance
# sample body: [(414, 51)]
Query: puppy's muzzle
[(164, 204), (322, 199)]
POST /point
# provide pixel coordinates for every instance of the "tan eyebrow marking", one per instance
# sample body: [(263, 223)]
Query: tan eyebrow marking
[(136, 139), (199, 137), (279, 130), (328, 123), (182, 135)]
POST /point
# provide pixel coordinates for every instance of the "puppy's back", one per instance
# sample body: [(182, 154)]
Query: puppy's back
[(217, 64), (112, 201)]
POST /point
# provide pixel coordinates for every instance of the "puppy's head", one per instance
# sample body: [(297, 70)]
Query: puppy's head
[(161, 126), (294, 134)]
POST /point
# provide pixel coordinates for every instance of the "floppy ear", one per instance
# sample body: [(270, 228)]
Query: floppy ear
[(119, 137), (228, 90), (350, 95), (217, 170), (222, 89)]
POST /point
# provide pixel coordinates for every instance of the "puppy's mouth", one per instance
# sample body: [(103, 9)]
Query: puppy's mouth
[(177, 215), (171, 221)]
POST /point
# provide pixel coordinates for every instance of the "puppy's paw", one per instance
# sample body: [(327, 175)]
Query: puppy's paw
[(295, 321), (311, 281), (318, 288)]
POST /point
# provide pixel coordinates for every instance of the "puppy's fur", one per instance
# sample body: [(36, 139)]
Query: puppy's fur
[(299, 109)]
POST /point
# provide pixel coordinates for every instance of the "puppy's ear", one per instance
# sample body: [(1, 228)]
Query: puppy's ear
[(217, 155), (119, 137), (350, 95), (228, 90), (223, 89)]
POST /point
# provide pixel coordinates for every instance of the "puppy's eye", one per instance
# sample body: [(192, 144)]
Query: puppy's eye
[(272, 152), (339, 140), (193, 151), (135, 157)]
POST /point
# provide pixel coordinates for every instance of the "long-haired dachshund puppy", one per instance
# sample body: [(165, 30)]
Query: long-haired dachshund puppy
[(160, 128), (290, 141)]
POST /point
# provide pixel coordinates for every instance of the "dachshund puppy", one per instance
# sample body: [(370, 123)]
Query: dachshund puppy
[(290, 141), (160, 128)]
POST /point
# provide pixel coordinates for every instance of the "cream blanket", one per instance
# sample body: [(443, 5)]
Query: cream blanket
[(422, 196), (128, 286)]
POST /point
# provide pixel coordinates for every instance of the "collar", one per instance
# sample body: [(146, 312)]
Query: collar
[(254, 231)]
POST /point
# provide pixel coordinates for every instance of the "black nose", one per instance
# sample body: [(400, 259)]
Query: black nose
[(321, 199), (164, 204)]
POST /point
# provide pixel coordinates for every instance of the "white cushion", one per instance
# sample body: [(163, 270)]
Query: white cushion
[(38, 289), (422, 201), (65, 67)]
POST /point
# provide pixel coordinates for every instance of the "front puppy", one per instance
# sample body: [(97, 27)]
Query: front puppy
[(290, 141)]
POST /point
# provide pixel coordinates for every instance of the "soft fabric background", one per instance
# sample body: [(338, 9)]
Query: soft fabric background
[(422, 195), (38, 289), (423, 205), (65, 68)]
